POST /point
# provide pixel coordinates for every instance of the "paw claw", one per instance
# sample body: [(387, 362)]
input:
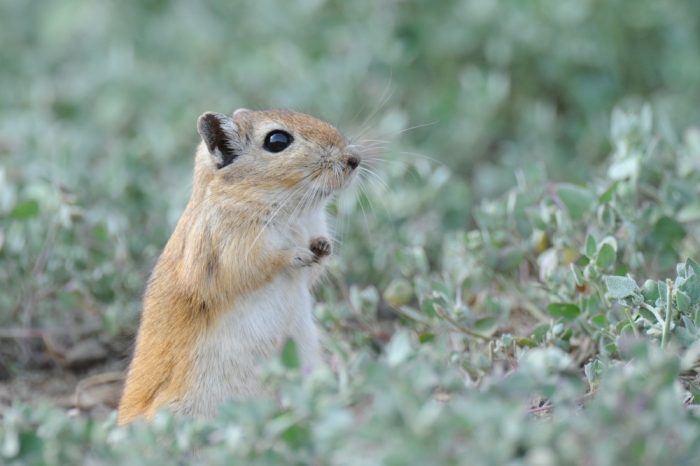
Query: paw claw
[(321, 247), (318, 249)]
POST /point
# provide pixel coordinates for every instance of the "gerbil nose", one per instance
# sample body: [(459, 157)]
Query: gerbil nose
[(353, 162)]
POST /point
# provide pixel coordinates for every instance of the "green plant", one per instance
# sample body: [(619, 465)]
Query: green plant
[(514, 284)]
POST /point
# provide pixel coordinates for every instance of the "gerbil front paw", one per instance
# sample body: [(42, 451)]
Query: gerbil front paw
[(303, 257), (318, 249), (321, 247)]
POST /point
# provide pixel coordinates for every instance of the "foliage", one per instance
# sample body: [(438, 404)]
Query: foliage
[(99, 103), (553, 323), (386, 415), (530, 315)]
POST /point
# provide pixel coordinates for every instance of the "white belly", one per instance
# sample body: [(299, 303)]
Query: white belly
[(229, 358)]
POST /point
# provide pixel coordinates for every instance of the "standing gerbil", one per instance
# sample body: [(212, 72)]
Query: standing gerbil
[(234, 280)]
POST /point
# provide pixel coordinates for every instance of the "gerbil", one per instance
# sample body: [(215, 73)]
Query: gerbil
[(234, 280)]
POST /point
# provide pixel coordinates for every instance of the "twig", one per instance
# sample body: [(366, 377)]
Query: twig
[(525, 302), (455, 324), (21, 333)]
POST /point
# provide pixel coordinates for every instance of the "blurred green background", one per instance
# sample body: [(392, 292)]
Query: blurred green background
[(539, 160), (98, 103)]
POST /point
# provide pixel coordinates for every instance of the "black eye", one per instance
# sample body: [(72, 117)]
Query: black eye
[(277, 141)]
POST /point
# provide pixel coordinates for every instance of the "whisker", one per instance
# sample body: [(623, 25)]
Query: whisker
[(398, 132), (362, 207), (382, 199), (375, 176), (411, 128), (274, 214), (369, 145), (282, 204), (365, 126), (374, 160), (425, 157), (371, 142), (301, 205)]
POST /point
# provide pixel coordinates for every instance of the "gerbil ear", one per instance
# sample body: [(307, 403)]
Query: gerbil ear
[(220, 134)]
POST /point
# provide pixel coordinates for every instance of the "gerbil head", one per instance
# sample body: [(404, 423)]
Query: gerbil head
[(276, 154)]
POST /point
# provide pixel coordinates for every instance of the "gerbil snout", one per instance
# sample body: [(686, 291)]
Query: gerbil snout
[(353, 162), (336, 170)]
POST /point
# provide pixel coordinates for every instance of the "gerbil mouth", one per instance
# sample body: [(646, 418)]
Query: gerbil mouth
[(336, 184), (332, 178)]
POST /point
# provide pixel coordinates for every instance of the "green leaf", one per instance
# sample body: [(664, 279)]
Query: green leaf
[(566, 311), (25, 210), (600, 321), (290, 355), (539, 332), (691, 286), (99, 232), (486, 324), (620, 287), (689, 213), (526, 342), (578, 275), (682, 301), (427, 306), (399, 348), (647, 315), (650, 291), (690, 263), (668, 231), (608, 194), (577, 200), (398, 293), (689, 324), (623, 169), (606, 256), (694, 390), (591, 246), (297, 436)]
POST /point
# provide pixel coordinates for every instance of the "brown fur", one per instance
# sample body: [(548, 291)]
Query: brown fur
[(212, 257)]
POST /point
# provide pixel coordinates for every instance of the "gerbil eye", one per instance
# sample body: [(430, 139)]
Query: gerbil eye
[(277, 141)]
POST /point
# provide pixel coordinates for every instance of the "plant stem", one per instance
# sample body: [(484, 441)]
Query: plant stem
[(669, 308), (458, 326), (632, 324), (653, 311)]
